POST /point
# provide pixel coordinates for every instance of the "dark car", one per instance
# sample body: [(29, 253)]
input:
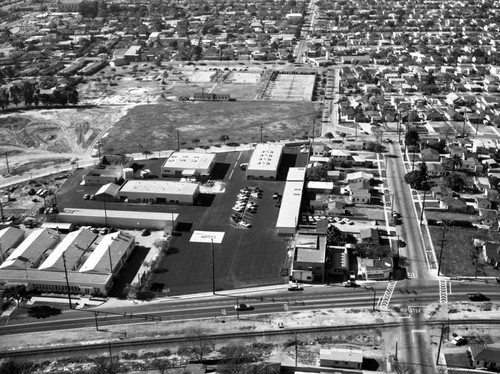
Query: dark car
[(477, 297), (145, 232), (243, 307)]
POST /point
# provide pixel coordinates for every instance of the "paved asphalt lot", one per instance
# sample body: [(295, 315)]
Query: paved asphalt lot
[(246, 257)]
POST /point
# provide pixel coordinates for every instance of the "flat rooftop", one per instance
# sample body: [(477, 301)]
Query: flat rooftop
[(266, 157), (98, 213), (189, 160), (159, 187)]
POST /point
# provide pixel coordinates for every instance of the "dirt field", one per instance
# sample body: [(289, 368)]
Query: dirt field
[(38, 138)]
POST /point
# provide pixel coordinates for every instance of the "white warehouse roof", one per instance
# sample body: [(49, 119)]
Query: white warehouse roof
[(266, 157), (159, 187)]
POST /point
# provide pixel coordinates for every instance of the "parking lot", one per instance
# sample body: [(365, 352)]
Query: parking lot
[(246, 257)]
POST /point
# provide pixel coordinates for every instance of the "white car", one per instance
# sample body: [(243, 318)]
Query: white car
[(237, 208), (245, 224)]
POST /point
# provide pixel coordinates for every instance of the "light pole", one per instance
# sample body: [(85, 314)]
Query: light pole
[(374, 295), (105, 213)]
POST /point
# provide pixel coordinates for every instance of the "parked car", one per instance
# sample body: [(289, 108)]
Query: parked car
[(245, 224), (295, 287), (352, 275), (86, 196), (350, 283), (275, 195), (92, 197), (477, 297), (243, 307), (145, 232), (458, 340)]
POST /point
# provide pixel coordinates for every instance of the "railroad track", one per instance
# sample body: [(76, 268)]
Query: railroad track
[(69, 350)]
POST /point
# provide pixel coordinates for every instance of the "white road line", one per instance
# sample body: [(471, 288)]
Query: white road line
[(239, 157), (230, 175)]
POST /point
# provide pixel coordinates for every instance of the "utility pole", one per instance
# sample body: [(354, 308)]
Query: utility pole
[(440, 342), (7, 162), (442, 243), (67, 281), (105, 212), (96, 324), (178, 141), (213, 267), (110, 262), (261, 127), (314, 125), (465, 120), (296, 349)]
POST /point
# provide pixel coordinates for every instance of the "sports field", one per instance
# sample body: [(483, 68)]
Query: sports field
[(153, 127)]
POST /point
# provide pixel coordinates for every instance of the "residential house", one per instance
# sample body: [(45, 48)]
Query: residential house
[(491, 253), (341, 358), (485, 357), (336, 208), (360, 192), (435, 170), (482, 203), (454, 204), (429, 154), (488, 217), (370, 235), (492, 194), (333, 175), (356, 145), (441, 192), (472, 164), (358, 176), (320, 150)]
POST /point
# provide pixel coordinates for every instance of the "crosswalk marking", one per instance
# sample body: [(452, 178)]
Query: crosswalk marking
[(412, 274), (386, 299), (443, 291)]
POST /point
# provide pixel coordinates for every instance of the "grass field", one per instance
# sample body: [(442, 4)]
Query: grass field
[(458, 252), (153, 127)]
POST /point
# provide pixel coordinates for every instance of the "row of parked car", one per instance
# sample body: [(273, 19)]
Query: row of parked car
[(245, 203), (314, 219)]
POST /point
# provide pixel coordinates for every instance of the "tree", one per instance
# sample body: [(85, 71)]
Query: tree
[(43, 311), (455, 182), (88, 9), (453, 163), (316, 173), (412, 138), (224, 138), (197, 345), (336, 237), (329, 135), (161, 365), (418, 179)]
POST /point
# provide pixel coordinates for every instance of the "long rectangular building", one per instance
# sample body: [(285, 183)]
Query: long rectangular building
[(120, 218), (265, 161), (288, 216), (159, 191)]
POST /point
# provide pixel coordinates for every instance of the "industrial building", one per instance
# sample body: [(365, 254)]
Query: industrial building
[(10, 237), (119, 218), (103, 174), (89, 261), (265, 161), (187, 164), (159, 191), (310, 257), (288, 216)]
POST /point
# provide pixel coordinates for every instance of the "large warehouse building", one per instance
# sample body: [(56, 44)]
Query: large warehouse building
[(158, 191), (265, 161), (90, 260), (187, 164), (119, 218)]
